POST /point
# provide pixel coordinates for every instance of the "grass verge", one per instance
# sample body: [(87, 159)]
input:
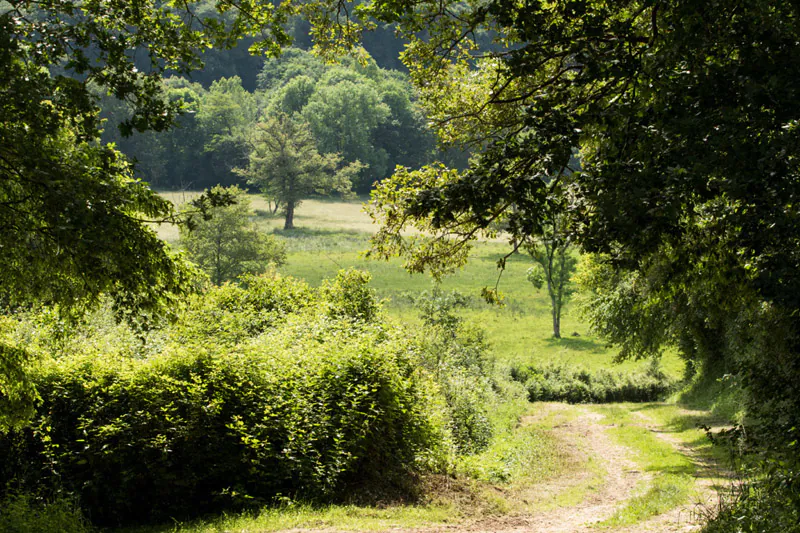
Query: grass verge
[(672, 472), (302, 516)]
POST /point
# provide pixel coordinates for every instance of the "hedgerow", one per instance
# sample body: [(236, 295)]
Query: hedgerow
[(263, 390), (299, 400), (554, 383), (211, 430)]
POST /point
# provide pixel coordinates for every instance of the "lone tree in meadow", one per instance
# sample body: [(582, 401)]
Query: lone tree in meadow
[(286, 165), (553, 266), (227, 244)]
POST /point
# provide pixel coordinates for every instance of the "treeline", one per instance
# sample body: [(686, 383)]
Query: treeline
[(354, 108)]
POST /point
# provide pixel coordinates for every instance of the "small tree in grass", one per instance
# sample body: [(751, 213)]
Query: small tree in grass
[(554, 265), (286, 166), (226, 244)]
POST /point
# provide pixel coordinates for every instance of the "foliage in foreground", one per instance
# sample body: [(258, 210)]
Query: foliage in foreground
[(22, 513), (554, 383), (260, 392), (769, 505), (205, 425)]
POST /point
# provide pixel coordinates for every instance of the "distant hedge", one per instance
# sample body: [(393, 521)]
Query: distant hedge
[(553, 383)]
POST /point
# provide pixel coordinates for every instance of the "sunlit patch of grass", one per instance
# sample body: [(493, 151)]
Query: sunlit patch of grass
[(520, 332), (180, 197), (323, 240), (688, 427), (339, 517), (673, 473), (665, 492), (547, 415), (651, 452)]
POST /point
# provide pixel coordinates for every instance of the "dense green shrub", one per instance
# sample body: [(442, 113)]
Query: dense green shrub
[(262, 391), (764, 447), (468, 400), (350, 296), (197, 430), (555, 383), (24, 513), (231, 313), (17, 392)]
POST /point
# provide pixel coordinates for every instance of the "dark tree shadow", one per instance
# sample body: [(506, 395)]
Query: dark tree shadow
[(303, 232), (578, 344)]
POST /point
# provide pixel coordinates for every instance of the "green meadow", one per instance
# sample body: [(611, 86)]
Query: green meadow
[(333, 235)]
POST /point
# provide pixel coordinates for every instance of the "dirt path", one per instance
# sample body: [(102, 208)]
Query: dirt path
[(600, 480), (617, 478), (604, 490), (600, 490)]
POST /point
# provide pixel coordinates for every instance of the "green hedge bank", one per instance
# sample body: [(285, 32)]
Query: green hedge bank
[(257, 394), (202, 431)]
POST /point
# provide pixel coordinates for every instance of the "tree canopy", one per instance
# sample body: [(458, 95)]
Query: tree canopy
[(361, 111), (685, 116), (73, 215)]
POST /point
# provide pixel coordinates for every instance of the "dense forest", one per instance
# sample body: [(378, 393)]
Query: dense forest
[(640, 159), (354, 108)]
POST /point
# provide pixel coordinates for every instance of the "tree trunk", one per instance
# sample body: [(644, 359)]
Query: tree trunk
[(556, 324), (556, 309), (289, 224)]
